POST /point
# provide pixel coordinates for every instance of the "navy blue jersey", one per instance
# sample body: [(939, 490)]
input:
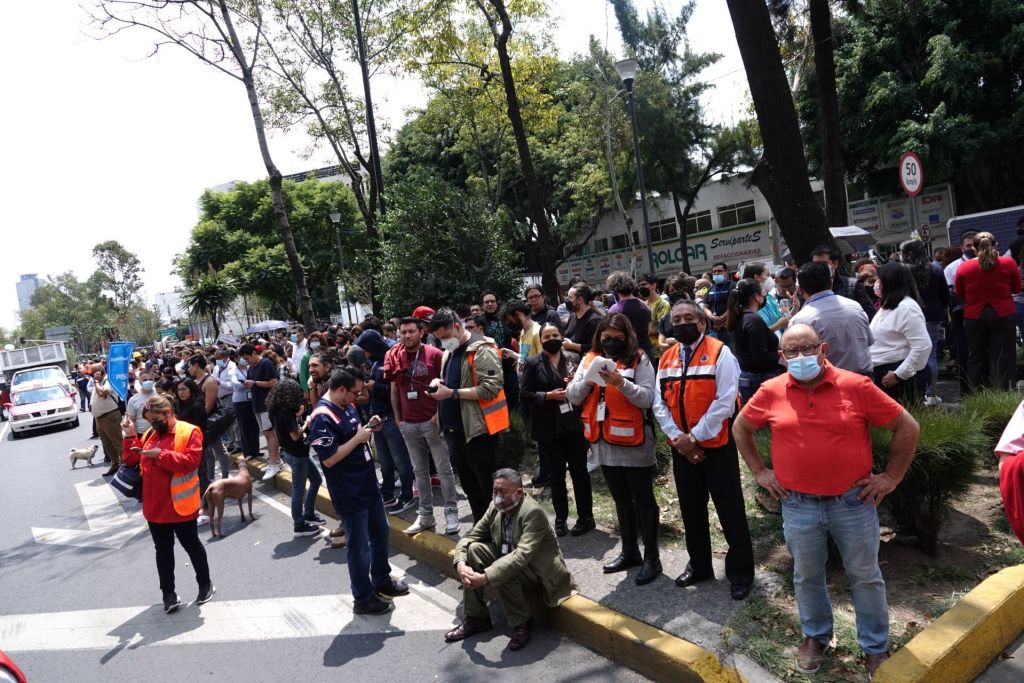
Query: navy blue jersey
[(352, 483)]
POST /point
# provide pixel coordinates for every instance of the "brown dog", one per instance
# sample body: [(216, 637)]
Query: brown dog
[(235, 486)]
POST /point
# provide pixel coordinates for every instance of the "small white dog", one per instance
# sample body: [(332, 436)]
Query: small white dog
[(85, 454)]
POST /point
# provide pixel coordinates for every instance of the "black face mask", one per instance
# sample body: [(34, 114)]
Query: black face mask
[(552, 345), (613, 347), (159, 425), (645, 292), (687, 333)]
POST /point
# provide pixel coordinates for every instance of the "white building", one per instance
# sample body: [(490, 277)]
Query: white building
[(168, 306), (731, 222), (26, 287)]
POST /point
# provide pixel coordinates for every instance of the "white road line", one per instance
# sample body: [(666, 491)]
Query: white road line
[(109, 525), (3, 434), (216, 622)]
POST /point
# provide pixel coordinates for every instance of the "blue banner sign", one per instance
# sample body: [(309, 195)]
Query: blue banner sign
[(118, 360)]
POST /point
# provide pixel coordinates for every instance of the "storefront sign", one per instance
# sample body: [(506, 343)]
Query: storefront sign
[(866, 214)]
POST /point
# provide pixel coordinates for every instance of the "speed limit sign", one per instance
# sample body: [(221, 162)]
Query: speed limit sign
[(911, 174)]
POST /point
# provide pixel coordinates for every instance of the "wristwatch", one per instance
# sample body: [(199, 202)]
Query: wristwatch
[(455, 394)]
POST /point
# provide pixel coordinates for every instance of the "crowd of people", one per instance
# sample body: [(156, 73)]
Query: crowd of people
[(818, 356)]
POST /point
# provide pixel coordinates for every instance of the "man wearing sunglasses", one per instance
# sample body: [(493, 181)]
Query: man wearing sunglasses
[(820, 418)]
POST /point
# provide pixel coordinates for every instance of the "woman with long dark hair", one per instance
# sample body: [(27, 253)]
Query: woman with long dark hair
[(987, 285), (902, 343), (286, 405), (931, 285), (615, 422), (756, 346)]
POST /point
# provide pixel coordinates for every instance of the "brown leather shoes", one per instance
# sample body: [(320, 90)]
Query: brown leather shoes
[(808, 657), (872, 662), (520, 637), (469, 627)]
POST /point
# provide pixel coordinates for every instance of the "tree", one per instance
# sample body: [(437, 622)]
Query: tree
[(122, 271), (209, 296), (209, 31), (781, 173), (443, 246)]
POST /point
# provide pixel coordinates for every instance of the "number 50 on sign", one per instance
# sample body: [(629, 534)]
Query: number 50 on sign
[(911, 174)]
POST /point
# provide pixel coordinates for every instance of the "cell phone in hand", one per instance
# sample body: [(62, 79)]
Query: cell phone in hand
[(432, 390), (137, 449)]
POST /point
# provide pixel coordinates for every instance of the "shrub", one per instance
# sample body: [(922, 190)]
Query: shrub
[(948, 453), (513, 443), (991, 410), (662, 453)]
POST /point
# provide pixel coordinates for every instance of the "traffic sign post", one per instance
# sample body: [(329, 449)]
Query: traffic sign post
[(912, 181)]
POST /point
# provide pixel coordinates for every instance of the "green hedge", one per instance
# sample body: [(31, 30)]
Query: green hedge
[(514, 444), (991, 410)]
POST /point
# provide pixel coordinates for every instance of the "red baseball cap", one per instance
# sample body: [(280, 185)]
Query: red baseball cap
[(423, 313)]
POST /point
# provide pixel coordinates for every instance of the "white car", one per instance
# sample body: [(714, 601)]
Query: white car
[(38, 406), (44, 376)]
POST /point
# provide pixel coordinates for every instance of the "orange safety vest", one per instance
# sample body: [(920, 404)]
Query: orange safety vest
[(184, 487), (496, 409), (698, 390), (623, 423)]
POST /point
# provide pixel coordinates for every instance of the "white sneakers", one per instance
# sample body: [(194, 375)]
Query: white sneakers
[(203, 519), (451, 523), (421, 524), (271, 471), (932, 400)]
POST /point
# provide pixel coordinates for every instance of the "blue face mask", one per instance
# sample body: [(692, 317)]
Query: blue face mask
[(147, 385), (221, 363), (718, 278), (243, 362), (804, 368), (295, 338)]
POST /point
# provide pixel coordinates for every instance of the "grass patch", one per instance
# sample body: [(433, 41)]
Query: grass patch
[(942, 572)]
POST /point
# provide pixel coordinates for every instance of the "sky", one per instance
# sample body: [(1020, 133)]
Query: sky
[(99, 142)]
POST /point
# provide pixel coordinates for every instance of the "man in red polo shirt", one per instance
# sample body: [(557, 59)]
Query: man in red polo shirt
[(820, 418)]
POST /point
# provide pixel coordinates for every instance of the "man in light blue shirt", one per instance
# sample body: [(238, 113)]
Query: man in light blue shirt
[(840, 322)]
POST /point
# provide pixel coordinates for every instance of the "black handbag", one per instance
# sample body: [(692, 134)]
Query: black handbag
[(219, 421), (128, 481)]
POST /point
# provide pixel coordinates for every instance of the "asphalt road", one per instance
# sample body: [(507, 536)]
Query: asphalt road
[(79, 597)]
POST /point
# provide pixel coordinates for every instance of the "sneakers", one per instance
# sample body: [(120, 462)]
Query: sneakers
[(373, 605), (389, 501), (400, 506), (202, 519), (393, 588), (421, 524), (932, 400), (205, 593), (314, 519), (435, 480), (171, 603), (271, 471), (306, 529), (451, 523)]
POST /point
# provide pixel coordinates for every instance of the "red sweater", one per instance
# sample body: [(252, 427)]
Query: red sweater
[(157, 473), (978, 287)]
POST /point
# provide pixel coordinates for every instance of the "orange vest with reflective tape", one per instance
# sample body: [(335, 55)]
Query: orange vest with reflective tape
[(495, 409), (623, 423), (184, 487), (697, 392)]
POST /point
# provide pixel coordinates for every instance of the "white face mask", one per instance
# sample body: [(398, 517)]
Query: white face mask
[(450, 344), (768, 285)]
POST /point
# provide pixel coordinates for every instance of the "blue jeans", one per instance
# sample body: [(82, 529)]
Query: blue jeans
[(393, 453), (366, 531), (807, 522), (303, 501), (935, 333)]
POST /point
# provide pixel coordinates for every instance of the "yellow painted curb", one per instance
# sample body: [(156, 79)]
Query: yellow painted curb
[(641, 647), (961, 643)]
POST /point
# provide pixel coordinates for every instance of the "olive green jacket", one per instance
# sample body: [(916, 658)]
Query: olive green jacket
[(489, 382), (535, 547)]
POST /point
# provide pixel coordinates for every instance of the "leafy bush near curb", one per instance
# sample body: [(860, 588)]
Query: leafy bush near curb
[(662, 453), (514, 443), (991, 410), (948, 454)]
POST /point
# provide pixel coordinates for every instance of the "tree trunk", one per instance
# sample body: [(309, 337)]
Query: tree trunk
[(833, 170), (781, 174), (545, 244), (284, 228), (681, 218)]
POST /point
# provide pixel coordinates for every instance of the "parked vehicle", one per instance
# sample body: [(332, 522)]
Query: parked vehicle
[(46, 361), (50, 375), (37, 406), (1002, 223), (9, 671)]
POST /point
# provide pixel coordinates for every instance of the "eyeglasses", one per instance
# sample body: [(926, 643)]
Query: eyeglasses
[(533, 297), (805, 350)]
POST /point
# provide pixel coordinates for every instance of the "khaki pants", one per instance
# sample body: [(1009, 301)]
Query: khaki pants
[(108, 426), (511, 594)]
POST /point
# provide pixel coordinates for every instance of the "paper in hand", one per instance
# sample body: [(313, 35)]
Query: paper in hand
[(599, 363)]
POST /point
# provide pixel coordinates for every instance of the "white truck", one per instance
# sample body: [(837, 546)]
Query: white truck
[(48, 355)]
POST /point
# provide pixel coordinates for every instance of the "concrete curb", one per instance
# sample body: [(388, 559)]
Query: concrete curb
[(641, 647), (961, 643)]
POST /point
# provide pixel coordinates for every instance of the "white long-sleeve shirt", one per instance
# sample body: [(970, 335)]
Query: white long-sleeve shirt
[(727, 381), (901, 336)]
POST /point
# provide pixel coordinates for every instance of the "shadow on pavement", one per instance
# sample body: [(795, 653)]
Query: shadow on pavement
[(149, 627), (350, 646)]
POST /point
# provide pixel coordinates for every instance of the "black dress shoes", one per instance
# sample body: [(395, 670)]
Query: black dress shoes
[(650, 570), (622, 563), (689, 578), (740, 591)]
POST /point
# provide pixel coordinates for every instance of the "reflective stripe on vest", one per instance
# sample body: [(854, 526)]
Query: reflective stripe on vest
[(495, 410), (623, 423), (698, 390), (184, 487)]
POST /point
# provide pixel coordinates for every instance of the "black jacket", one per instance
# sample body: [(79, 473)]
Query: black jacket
[(546, 417)]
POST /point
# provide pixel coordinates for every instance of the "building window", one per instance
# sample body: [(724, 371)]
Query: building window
[(736, 214), (698, 222), (619, 241), (664, 230), (600, 245)]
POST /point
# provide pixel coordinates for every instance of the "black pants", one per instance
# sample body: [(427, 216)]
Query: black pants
[(248, 430), (906, 391), (717, 476), (188, 535), (568, 452), (960, 350), (632, 489), (991, 349), (474, 462)]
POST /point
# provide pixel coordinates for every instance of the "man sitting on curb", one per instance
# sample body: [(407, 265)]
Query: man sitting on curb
[(511, 549)]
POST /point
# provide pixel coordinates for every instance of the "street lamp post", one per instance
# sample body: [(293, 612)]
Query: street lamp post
[(627, 72), (336, 219)]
